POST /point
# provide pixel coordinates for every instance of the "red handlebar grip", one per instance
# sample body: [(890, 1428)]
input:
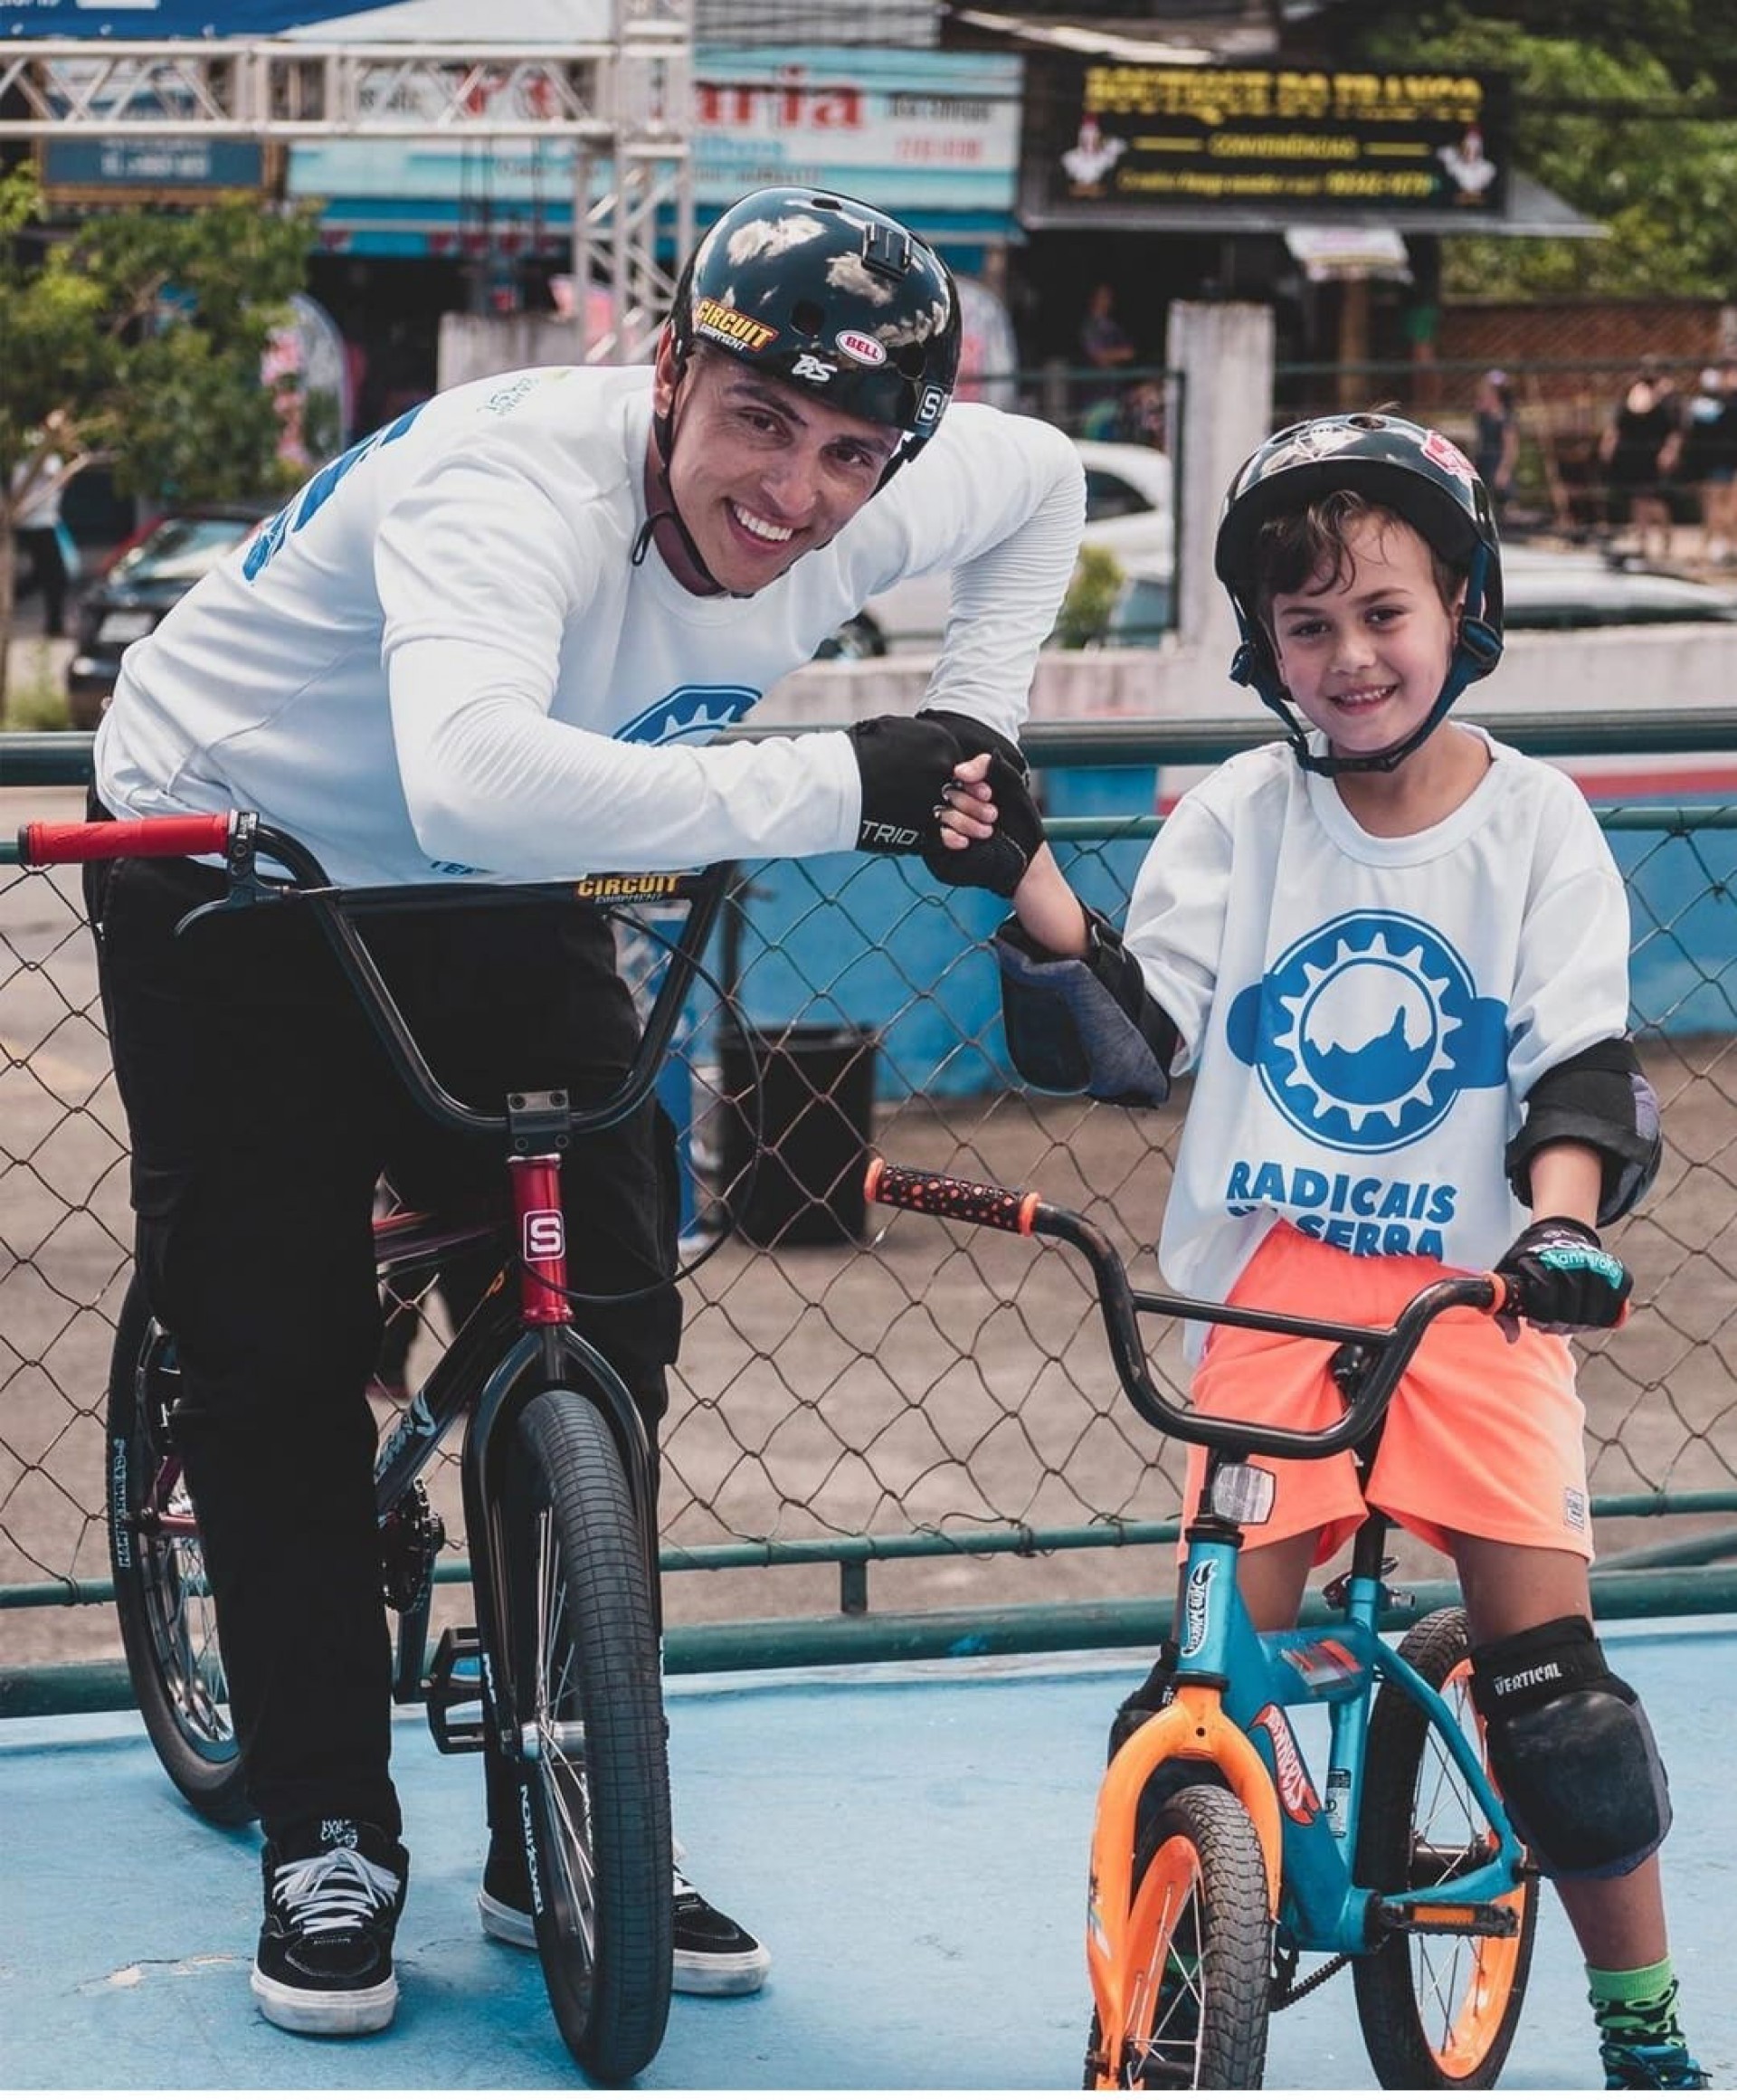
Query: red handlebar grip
[(124, 839), (910, 1188)]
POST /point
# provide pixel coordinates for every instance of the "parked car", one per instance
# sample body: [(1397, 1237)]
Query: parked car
[(142, 581), (1541, 588), (1130, 510)]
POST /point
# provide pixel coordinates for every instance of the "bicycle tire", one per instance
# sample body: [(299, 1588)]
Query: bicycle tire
[(595, 1802), (168, 1626), (1198, 2015), (1438, 2012)]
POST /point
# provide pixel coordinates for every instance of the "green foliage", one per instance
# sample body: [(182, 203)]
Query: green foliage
[(138, 339), (1086, 610), (1664, 184), (143, 333), (40, 701)]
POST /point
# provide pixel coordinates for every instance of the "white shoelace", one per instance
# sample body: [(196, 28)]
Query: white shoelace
[(333, 1892)]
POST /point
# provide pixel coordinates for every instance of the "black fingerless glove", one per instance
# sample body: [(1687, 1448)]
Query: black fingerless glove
[(906, 762), (1562, 1280), (998, 862), (974, 736)]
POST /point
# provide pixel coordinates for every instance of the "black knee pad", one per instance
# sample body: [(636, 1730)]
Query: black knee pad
[(1571, 1751)]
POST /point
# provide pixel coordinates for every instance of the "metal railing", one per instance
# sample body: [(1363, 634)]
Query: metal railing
[(859, 1395)]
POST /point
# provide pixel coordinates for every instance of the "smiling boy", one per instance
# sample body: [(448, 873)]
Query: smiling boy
[(1393, 952)]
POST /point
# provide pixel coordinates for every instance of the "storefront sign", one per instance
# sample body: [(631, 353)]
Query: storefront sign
[(1291, 139)]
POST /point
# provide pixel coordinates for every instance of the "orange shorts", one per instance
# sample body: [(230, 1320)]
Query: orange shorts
[(1485, 1437)]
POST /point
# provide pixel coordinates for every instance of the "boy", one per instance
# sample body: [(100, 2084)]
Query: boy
[(1395, 956)]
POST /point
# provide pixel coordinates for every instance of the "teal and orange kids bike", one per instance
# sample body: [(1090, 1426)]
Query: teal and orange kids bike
[(1219, 1863)]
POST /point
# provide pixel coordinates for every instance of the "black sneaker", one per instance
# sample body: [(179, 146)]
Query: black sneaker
[(333, 1893), (714, 1956)]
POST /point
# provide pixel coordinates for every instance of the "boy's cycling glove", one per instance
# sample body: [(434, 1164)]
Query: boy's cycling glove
[(1563, 1279)]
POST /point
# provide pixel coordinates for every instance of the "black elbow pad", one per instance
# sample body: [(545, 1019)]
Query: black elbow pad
[(1601, 1098), (1084, 1027)]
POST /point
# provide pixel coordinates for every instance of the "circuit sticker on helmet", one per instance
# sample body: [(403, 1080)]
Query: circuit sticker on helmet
[(724, 325)]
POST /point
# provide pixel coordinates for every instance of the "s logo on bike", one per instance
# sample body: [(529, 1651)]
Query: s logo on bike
[(545, 1236)]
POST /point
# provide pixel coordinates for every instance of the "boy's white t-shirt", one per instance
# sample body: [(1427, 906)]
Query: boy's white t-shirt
[(1365, 1016), (439, 658)]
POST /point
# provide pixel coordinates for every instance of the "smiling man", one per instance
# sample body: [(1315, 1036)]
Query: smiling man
[(493, 642)]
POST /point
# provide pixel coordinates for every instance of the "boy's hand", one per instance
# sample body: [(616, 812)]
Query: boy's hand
[(1562, 1278)]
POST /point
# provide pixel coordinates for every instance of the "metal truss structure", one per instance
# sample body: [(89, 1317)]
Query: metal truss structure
[(623, 101)]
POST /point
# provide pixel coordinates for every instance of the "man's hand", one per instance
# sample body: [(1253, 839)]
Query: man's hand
[(1562, 1280), (989, 827), (906, 766)]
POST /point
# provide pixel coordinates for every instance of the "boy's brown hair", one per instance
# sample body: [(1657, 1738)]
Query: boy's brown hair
[(1294, 549)]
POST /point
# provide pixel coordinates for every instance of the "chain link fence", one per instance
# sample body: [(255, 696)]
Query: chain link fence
[(845, 1374)]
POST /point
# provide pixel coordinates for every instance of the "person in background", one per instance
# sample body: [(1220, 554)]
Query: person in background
[(1495, 437), (1637, 450), (1106, 347), (37, 531), (1708, 462)]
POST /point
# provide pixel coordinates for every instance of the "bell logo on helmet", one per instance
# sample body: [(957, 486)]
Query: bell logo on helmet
[(1443, 452), (723, 324), (861, 349)]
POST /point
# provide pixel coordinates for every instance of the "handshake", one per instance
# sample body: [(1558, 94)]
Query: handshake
[(907, 765)]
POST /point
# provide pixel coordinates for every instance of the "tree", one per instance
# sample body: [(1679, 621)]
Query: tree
[(136, 340), (1627, 107)]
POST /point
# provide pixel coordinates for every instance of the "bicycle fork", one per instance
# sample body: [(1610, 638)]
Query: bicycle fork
[(1123, 1923)]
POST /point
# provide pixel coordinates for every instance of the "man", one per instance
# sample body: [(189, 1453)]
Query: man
[(491, 642)]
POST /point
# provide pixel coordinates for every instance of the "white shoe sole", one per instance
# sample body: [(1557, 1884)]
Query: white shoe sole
[(694, 1975), (328, 2012)]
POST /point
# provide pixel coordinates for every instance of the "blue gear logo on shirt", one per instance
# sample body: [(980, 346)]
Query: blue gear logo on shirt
[(689, 714), (1366, 1030)]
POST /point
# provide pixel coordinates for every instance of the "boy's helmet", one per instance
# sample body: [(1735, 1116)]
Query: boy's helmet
[(832, 295), (1415, 472)]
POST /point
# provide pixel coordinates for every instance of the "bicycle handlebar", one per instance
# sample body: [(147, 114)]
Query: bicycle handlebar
[(42, 845), (1391, 1348), (241, 840)]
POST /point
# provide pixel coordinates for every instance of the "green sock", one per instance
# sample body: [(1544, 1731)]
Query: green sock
[(1636, 2005)]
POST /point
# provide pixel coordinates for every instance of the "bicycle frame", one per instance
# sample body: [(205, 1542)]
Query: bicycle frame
[(1233, 1684), (506, 1351)]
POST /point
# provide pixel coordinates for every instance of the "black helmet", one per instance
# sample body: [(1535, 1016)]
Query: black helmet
[(833, 296), (1416, 473)]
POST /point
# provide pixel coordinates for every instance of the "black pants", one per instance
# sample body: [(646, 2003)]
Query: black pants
[(263, 1112), (47, 573)]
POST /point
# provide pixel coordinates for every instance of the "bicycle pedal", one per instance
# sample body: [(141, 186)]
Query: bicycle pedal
[(1481, 1921), (454, 1680)]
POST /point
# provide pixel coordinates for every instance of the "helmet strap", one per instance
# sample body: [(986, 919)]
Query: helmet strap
[(663, 435)]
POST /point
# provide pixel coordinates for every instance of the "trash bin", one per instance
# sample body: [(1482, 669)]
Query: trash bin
[(817, 1107)]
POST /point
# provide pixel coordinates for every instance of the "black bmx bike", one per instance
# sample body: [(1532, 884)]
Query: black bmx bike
[(562, 1670)]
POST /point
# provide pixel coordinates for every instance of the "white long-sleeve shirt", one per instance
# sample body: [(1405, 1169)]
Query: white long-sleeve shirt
[(438, 659), (1366, 1016)]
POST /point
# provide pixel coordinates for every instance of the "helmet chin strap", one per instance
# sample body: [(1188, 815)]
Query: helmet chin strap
[(663, 431), (1476, 652)]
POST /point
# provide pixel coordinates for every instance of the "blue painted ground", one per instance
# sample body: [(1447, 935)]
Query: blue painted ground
[(910, 1842)]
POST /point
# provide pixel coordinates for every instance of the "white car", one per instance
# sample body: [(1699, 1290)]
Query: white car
[(1130, 511)]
